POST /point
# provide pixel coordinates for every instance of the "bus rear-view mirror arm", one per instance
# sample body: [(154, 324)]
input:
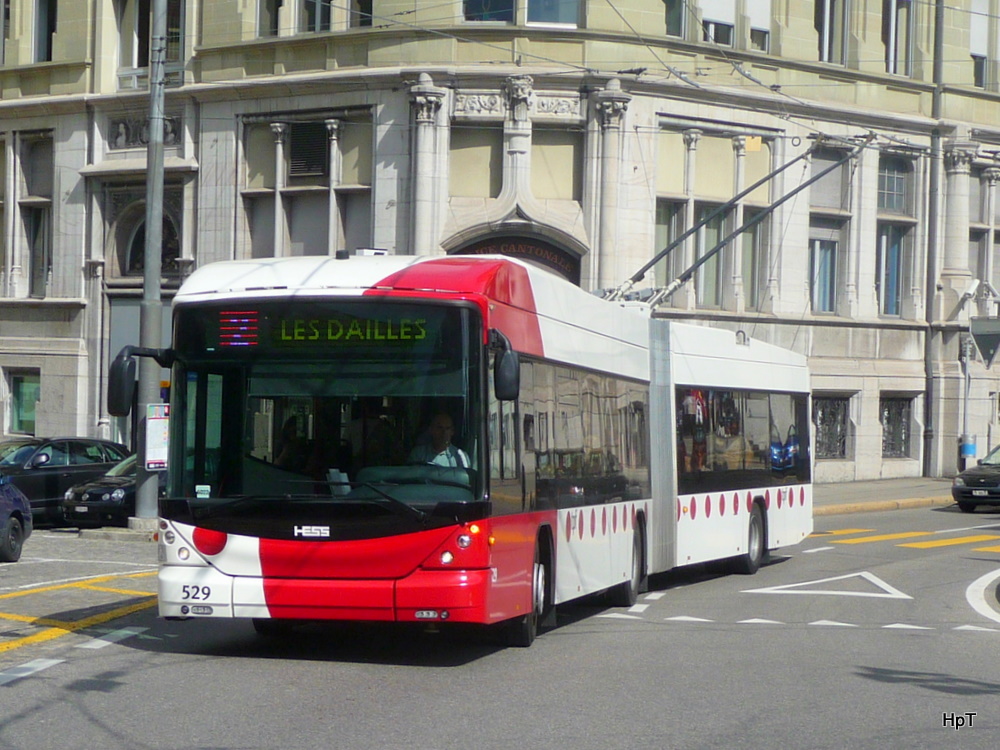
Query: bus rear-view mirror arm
[(121, 376), (506, 367)]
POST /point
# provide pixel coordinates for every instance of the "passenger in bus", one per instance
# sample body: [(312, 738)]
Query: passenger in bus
[(439, 451), (292, 452)]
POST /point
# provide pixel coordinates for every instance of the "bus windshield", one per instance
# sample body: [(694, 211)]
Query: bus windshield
[(360, 418)]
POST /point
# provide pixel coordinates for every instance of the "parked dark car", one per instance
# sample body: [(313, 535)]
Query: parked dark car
[(980, 484), (44, 468), (108, 500), (15, 521)]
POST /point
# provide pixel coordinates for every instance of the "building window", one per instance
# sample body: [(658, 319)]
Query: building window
[(315, 15), (4, 29), (897, 35), (718, 32), (831, 417), (979, 24), (895, 415), (894, 178), (134, 40), (708, 277), (489, 10), (25, 391), (754, 261), (45, 29), (832, 190), (823, 275), (759, 39), (37, 229), (361, 14), (169, 242), (307, 149), (979, 71), (563, 12), (267, 17), (669, 226), (824, 261), (830, 20), (676, 10), (889, 270)]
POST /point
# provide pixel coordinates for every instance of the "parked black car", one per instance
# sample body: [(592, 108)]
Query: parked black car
[(44, 468), (15, 521), (980, 484), (108, 500)]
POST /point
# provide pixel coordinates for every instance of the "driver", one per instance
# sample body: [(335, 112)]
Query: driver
[(439, 451)]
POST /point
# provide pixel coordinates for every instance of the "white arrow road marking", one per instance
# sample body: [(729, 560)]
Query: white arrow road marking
[(975, 595), (887, 591), (834, 623)]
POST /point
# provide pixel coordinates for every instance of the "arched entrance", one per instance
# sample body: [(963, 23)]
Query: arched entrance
[(531, 249)]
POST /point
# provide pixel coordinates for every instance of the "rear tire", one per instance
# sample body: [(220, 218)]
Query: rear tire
[(750, 563), (12, 541)]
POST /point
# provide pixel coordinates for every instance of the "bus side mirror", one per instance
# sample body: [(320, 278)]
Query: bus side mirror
[(507, 375), (121, 386)]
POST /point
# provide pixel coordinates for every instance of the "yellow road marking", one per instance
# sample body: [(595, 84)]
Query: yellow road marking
[(883, 537), (130, 592), (987, 549), (72, 627), (58, 628), (839, 532), (950, 542), (73, 584)]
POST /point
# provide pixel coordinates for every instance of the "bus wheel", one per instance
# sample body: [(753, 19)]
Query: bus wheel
[(749, 563), (521, 631), (626, 593)]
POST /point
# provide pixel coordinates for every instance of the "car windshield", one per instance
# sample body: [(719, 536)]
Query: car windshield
[(992, 458), (15, 454), (124, 469)]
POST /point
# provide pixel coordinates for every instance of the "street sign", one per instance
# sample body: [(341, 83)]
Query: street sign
[(986, 333)]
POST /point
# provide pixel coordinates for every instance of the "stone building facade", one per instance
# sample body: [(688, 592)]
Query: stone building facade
[(582, 135)]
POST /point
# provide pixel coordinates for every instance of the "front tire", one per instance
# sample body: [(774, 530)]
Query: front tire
[(521, 631), (966, 507), (750, 563), (12, 541)]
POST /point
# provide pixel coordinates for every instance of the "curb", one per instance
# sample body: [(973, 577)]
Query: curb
[(119, 535), (915, 502)]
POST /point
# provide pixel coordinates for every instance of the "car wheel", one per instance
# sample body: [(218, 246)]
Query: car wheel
[(10, 543), (966, 507)]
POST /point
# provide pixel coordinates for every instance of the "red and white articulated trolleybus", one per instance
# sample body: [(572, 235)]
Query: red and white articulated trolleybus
[(462, 439)]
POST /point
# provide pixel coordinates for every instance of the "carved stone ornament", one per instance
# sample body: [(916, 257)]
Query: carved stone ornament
[(473, 103), (133, 132), (520, 96), (426, 99), (557, 106)]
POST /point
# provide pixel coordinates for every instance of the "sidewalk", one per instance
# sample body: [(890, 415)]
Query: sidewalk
[(880, 494)]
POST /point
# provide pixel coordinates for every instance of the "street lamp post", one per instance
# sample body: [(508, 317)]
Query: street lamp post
[(151, 311)]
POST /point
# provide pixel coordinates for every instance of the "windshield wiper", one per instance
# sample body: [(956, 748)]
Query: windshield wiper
[(407, 509)]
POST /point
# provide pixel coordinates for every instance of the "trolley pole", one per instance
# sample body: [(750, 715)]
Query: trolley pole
[(151, 311)]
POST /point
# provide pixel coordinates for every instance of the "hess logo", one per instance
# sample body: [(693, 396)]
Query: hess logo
[(312, 531)]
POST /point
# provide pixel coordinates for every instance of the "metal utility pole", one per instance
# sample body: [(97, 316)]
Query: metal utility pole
[(151, 311)]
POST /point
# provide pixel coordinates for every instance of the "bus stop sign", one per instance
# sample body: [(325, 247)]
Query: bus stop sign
[(986, 333)]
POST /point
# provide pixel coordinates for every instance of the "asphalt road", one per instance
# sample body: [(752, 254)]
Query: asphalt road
[(879, 631)]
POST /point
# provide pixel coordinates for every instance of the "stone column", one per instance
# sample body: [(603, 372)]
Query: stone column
[(520, 98), (280, 131), (955, 273), (734, 298), (425, 101), (612, 103), (687, 296), (333, 208)]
